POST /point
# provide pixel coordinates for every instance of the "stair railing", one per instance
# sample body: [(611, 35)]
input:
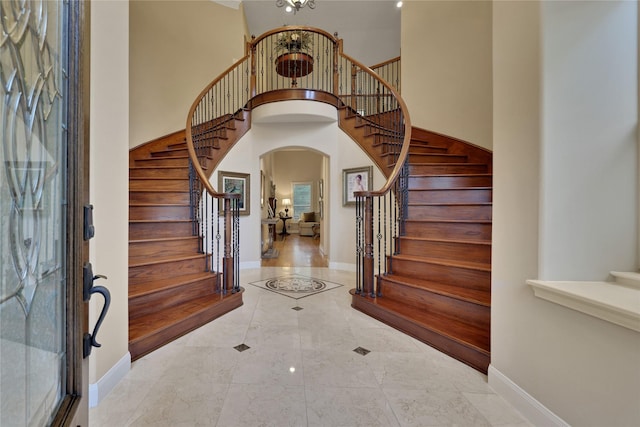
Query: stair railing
[(389, 71), (310, 61), (380, 214)]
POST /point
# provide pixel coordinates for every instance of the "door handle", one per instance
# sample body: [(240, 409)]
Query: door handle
[(89, 339)]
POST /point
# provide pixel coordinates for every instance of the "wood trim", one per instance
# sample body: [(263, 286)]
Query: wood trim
[(74, 407)]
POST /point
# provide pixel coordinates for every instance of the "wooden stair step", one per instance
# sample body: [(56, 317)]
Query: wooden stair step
[(159, 172), (463, 341), (438, 299), (450, 181), (145, 269), (415, 158), (451, 195), (157, 296), (147, 288), (153, 195), (426, 148), (159, 183), (474, 275), (152, 331), (477, 251), (447, 168), (163, 161), (470, 211), (159, 211), (472, 296), (449, 229), (164, 246), (159, 228)]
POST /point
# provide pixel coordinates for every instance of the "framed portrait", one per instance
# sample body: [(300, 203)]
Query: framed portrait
[(355, 179), (233, 182), (262, 189)]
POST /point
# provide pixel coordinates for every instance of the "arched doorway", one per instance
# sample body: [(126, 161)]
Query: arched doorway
[(292, 184)]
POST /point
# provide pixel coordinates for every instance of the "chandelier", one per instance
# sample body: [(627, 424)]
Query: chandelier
[(296, 5)]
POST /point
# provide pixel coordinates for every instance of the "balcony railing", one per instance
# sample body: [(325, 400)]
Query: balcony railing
[(302, 63)]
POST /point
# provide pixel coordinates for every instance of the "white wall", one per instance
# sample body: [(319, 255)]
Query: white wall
[(583, 369), (177, 48), (324, 137), (109, 178), (446, 67)]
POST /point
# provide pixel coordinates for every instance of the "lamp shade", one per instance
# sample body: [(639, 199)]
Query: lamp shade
[(286, 202)]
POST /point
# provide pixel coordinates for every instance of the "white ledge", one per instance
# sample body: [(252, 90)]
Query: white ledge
[(608, 301)]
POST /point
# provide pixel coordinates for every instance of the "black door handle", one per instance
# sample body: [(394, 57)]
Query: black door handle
[(89, 339)]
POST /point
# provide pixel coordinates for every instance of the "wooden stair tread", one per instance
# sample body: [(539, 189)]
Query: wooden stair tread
[(450, 189), (445, 164), (141, 327), (446, 262), (431, 239), (165, 239), (449, 203), (156, 221), (466, 334), (146, 288), (157, 205), (140, 261), (450, 221), (447, 175), (157, 178), (474, 296)]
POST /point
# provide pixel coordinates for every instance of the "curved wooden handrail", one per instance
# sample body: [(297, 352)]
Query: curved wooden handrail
[(387, 62), (189, 135), (404, 152), (256, 40)]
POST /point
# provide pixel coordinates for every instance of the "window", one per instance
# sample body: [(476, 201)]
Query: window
[(301, 199)]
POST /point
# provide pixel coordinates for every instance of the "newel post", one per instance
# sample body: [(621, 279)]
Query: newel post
[(227, 259), (367, 264)]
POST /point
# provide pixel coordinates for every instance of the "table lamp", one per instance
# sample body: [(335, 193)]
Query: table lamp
[(286, 203)]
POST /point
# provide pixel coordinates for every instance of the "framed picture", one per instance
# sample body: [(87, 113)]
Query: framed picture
[(233, 182), (355, 179), (262, 184)]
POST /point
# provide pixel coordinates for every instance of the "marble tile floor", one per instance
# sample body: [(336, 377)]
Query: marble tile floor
[(301, 370)]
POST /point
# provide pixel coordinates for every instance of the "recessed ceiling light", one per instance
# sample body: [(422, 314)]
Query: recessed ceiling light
[(288, 9), (399, 4)]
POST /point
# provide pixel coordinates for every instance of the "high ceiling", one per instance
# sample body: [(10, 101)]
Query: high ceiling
[(370, 28)]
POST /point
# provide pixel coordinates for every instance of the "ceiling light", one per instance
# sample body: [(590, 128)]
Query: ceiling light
[(296, 5), (399, 4)]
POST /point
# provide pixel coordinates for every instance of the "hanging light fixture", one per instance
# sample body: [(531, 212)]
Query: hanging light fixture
[(296, 5)]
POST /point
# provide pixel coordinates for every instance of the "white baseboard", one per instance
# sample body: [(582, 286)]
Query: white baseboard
[(527, 405), (342, 266), (249, 264), (103, 387)]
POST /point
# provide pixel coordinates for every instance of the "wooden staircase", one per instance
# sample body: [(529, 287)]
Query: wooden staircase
[(171, 290), (439, 286)]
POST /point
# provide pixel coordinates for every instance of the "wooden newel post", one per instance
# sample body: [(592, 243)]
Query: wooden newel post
[(227, 259), (367, 264)]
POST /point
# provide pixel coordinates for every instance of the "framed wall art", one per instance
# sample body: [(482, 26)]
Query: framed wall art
[(234, 182), (355, 179)]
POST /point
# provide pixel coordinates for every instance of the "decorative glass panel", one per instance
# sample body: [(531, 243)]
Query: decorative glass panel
[(32, 198)]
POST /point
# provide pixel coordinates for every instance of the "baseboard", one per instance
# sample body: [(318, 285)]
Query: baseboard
[(342, 266), (103, 387), (527, 405), (249, 264)]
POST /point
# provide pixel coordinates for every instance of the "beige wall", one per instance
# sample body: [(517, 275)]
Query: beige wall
[(176, 49), (323, 137), (581, 368), (109, 178), (446, 67)]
